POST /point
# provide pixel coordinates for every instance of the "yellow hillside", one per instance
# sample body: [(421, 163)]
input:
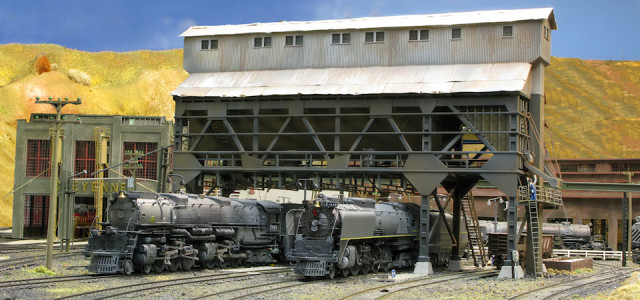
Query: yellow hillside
[(130, 83), (592, 106)]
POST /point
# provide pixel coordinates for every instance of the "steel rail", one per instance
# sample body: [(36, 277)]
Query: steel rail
[(436, 279), (28, 260), (568, 282), (136, 288), (253, 287), (34, 281)]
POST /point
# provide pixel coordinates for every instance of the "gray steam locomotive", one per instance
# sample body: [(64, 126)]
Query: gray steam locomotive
[(149, 231), (359, 236), (568, 235)]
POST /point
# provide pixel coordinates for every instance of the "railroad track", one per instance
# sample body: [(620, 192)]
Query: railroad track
[(135, 289), (49, 280), (396, 287), (271, 287), (18, 249), (30, 261), (565, 288)]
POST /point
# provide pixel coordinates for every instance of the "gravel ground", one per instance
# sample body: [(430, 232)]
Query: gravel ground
[(490, 288)]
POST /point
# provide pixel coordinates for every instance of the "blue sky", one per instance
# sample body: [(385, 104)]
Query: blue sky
[(587, 29)]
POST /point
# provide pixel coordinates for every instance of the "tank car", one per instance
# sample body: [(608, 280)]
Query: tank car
[(359, 236), (148, 231)]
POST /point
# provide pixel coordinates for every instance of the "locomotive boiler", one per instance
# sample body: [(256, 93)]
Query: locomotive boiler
[(359, 236), (569, 236), (149, 231)]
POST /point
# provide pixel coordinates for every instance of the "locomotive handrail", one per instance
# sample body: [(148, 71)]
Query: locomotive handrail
[(128, 223)]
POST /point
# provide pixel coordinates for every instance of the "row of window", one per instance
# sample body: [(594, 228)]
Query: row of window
[(345, 38), (38, 158)]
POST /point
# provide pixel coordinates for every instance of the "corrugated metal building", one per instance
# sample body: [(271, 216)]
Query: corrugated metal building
[(383, 60)]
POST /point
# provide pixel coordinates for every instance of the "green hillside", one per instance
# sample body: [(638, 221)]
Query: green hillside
[(591, 112)]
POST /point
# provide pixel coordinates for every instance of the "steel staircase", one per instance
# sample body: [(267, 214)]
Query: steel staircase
[(473, 231)]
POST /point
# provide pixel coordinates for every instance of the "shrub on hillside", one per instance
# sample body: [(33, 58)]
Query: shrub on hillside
[(54, 67), (43, 64), (80, 77)]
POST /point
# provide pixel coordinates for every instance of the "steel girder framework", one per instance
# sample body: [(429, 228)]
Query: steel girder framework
[(407, 143), (402, 143)]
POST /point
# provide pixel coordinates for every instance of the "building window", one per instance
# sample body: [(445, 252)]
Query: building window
[(209, 45), (374, 37), (38, 158), (262, 42), (577, 168), (456, 33), (547, 33), (85, 157), (341, 38), (507, 31), (148, 164), (293, 40), (419, 35), (625, 167)]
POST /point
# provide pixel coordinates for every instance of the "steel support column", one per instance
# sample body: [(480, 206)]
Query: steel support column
[(511, 267), (423, 266)]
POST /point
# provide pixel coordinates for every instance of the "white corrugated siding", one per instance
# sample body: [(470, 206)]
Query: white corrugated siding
[(479, 44), (433, 79)]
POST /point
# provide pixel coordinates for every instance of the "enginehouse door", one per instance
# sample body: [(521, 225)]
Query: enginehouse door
[(36, 215)]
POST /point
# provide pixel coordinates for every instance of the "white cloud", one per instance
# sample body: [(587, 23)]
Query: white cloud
[(185, 24)]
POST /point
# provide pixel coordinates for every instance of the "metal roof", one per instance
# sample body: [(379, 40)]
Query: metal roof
[(446, 19), (427, 79)]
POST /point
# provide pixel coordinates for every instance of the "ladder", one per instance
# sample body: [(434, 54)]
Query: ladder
[(473, 231), (534, 234)]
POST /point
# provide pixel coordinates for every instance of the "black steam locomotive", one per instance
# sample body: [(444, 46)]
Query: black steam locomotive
[(149, 231), (359, 236), (635, 240)]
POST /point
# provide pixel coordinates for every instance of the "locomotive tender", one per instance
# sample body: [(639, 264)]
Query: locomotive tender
[(360, 235), (149, 231)]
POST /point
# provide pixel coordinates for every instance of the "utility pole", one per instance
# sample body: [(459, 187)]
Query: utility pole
[(629, 216), (55, 161)]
